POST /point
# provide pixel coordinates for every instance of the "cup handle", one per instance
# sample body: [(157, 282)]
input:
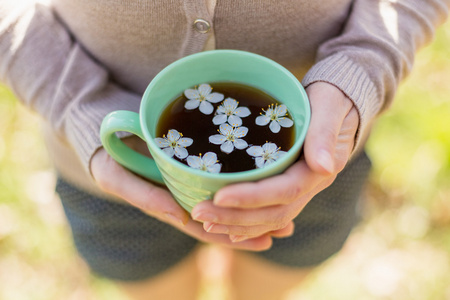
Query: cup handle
[(128, 121)]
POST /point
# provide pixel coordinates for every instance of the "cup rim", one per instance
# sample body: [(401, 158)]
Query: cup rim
[(235, 176)]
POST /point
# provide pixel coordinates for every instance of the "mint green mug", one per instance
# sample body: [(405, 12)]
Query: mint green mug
[(190, 186)]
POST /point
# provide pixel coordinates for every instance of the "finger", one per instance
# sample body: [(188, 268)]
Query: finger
[(285, 232), (249, 231), (275, 217), (196, 230), (112, 178), (282, 189), (346, 139), (186, 224), (329, 106), (158, 203)]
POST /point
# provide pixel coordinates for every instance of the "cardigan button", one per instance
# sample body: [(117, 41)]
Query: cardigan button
[(202, 25)]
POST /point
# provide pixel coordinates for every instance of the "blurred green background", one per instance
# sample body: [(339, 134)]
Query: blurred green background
[(400, 251)]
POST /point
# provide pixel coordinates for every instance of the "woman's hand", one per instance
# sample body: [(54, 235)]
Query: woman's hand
[(267, 207), (156, 201)]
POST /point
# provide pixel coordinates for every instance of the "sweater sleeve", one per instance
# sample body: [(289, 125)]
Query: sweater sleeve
[(375, 51), (51, 73)]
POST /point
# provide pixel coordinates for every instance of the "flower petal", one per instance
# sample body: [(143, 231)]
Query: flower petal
[(279, 154), (227, 147), (225, 129), (270, 111), (215, 97), (217, 139), (285, 122), (259, 162), (262, 120), (240, 144), (240, 131), (161, 143), (219, 119), (234, 121), (280, 110), (169, 151), (185, 142), (215, 168), (209, 158), (269, 161), (204, 89), (270, 147), (181, 152), (191, 104), (242, 112), (191, 94), (173, 135), (274, 127), (221, 110), (230, 104), (206, 107), (194, 161), (255, 151)]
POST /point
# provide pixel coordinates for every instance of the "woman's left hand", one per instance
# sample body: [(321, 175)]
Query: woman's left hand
[(252, 209)]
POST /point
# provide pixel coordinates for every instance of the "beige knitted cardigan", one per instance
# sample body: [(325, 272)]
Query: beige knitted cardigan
[(74, 61)]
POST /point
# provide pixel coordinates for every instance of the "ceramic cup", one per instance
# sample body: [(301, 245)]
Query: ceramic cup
[(190, 186)]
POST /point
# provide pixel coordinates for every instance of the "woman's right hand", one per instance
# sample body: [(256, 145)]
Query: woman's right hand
[(157, 201)]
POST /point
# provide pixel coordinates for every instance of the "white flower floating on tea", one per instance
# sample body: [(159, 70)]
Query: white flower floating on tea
[(174, 144), (245, 117), (202, 97), (266, 154), (276, 116), (230, 138), (207, 162), (229, 112)]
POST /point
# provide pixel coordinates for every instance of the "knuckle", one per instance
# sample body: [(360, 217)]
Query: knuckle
[(245, 230), (102, 174), (281, 226), (149, 194), (290, 194), (328, 136), (280, 218)]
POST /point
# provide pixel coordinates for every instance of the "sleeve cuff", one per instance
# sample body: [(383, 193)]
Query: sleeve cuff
[(354, 82), (83, 124)]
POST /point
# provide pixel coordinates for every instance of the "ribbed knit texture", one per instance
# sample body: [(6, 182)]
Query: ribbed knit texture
[(350, 78)]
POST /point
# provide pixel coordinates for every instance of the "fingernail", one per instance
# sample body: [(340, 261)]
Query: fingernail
[(325, 160), (215, 228), (205, 217), (207, 226), (237, 238), (175, 219)]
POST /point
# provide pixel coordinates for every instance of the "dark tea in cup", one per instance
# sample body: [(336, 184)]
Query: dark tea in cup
[(225, 127)]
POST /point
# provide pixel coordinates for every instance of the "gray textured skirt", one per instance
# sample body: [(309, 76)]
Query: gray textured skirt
[(120, 242)]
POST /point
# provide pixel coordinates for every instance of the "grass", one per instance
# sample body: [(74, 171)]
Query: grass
[(400, 251)]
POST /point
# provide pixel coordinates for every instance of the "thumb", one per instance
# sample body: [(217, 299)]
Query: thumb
[(113, 179), (328, 110)]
